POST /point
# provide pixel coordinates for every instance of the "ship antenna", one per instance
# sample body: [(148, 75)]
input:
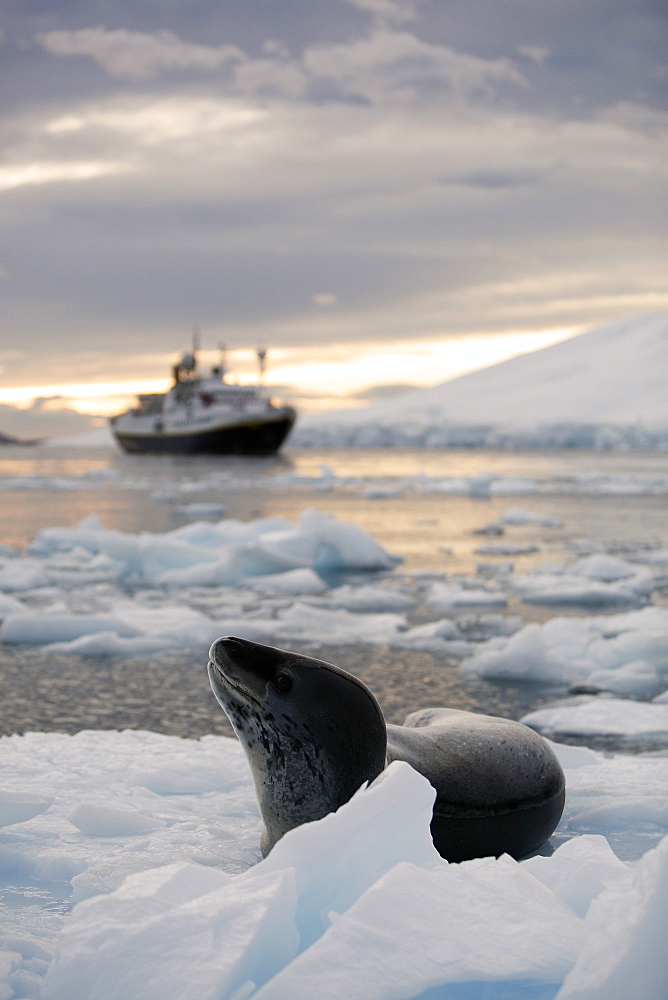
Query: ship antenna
[(196, 339), (221, 367), (261, 360)]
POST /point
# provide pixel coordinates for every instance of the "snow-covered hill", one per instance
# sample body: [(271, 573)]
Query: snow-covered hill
[(606, 387)]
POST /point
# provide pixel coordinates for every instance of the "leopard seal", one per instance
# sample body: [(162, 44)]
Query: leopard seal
[(313, 734)]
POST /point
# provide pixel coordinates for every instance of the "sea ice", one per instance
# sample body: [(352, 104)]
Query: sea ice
[(370, 597), (10, 605), (622, 954), (594, 581), (577, 650), (17, 806), (21, 573), (269, 556), (599, 716), (356, 904), (90, 591), (198, 511), (518, 515), (445, 597)]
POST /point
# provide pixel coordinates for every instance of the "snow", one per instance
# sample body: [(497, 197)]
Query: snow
[(158, 838), (560, 396)]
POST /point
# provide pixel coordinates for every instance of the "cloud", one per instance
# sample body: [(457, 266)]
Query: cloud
[(445, 168), (168, 121), (399, 65), (388, 64), (397, 11), (637, 117), (537, 54), (324, 299), (136, 55), (20, 174), (267, 77), (444, 220)]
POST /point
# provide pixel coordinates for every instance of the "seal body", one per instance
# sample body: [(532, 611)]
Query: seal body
[(314, 734), (499, 787)]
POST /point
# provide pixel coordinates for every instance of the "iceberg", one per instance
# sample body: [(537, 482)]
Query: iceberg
[(557, 397)]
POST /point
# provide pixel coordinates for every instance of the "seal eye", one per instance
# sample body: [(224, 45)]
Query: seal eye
[(283, 682)]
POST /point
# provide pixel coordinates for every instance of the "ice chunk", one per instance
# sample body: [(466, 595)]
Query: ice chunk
[(572, 650), (602, 717), (638, 679), (444, 597), (519, 516), (620, 796), (10, 606), (304, 621), (417, 929), (22, 573), (100, 820), (597, 580), (197, 511), (294, 581), (39, 629), (506, 549), (338, 857), (17, 807), (443, 628), (513, 486), (180, 931), (604, 567), (370, 597), (327, 544), (579, 870), (623, 953), (78, 566), (569, 589), (110, 644)]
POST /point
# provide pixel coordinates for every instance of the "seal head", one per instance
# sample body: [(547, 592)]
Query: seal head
[(313, 733)]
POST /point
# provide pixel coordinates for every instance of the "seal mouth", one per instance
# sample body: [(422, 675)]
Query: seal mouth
[(232, 684)]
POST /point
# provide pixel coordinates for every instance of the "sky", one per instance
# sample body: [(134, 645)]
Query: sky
[(381, 192)]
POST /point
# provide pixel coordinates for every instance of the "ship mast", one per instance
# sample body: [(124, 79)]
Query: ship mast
[(261, 360)]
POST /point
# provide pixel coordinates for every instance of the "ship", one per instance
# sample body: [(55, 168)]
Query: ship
[(205, 414)]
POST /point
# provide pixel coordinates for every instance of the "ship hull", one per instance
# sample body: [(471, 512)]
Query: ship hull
[(261, 437)]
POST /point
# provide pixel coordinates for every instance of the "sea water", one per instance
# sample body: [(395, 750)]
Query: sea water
[(447, 515)]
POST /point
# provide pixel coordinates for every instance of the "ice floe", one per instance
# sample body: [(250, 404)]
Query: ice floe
[(157, 839), (91, 591), (178, 488), (444, 597), (555, 586), (581, 650), (599, 716)]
